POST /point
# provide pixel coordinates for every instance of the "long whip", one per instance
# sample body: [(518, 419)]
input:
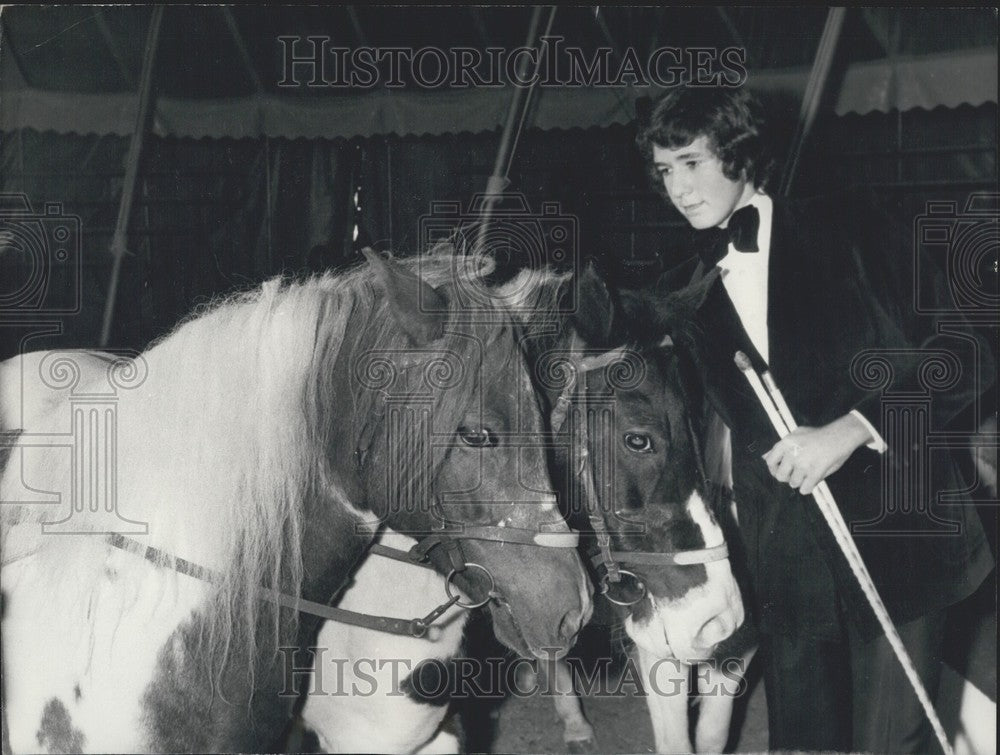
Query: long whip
[(781, 417)]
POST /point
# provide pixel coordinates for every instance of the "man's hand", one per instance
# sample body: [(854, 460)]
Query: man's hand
[(808, 455)]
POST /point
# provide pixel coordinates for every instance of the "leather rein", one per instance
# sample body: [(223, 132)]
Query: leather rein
[(417, 555)]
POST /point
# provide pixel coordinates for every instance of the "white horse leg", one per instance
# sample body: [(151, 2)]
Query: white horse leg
[(667, 700), (578, 734), (715, 711), (717, 690), (978, 723)]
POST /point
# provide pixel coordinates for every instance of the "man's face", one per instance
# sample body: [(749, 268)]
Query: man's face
[(696, 185)]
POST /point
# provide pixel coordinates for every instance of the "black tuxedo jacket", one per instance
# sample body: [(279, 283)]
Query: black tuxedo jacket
[(843, 335)]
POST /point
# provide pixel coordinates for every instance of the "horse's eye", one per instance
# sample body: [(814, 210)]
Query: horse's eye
[(639, 443), (478, 437)]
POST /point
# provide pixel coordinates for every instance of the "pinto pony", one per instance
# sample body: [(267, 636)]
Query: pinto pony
[(162, 516), (653, 506)]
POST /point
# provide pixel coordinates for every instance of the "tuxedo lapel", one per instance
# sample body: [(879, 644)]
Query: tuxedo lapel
[(792, 298)]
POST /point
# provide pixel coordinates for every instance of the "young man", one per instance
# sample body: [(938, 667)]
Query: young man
[(814, 292)]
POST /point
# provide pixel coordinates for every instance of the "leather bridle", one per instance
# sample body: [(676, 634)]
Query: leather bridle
[(448, 534), (575, 392)]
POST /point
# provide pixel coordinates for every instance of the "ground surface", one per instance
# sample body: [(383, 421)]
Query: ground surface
[(528, 723), (621, 724)]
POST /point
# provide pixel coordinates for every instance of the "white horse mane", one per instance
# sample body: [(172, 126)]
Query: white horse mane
[(230, 420)]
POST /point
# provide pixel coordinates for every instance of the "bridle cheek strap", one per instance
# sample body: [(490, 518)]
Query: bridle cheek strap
[(577, 384)]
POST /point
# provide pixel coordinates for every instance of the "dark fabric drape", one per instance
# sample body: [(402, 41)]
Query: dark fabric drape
[(209, 218), (404, 183), (311, 205), (54, 287), (214, 216)]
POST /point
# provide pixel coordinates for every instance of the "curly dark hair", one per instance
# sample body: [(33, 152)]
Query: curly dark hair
[(733, 120)]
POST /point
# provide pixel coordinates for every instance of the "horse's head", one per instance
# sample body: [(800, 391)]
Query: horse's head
[(648, 490), (456, 459)]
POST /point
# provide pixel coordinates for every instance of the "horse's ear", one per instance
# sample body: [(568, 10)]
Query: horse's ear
[(419, 309), (649, 314), (675, 311), (594, 314), (689, 298)]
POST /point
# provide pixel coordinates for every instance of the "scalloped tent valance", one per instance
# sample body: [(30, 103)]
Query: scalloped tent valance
[(952, 79), (223, 71)]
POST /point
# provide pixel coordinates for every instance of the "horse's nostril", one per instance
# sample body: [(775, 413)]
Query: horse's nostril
[(570, 625)]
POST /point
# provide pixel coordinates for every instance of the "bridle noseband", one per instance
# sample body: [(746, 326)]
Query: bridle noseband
[(575, 391), (447, 536)]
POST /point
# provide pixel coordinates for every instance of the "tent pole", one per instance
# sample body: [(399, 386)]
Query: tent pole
[(118, 241), (813, 94), (498, 180)]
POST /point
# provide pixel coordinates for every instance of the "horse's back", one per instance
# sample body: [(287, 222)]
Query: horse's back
[(36, 384), (37, 434)]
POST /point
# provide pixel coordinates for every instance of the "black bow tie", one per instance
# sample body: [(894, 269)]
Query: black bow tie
[(740, 231)]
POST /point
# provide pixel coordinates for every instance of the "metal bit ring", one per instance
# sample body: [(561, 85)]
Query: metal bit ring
[(606, 586), (489, 593)]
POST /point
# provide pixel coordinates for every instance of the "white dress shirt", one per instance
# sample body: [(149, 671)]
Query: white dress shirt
[(745, 277)]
